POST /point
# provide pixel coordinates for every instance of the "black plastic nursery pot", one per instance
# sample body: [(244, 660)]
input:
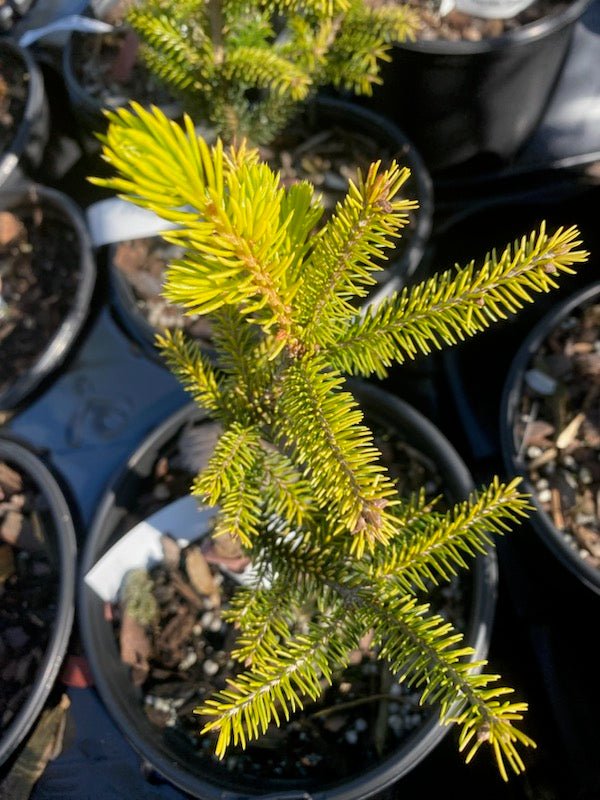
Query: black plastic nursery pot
[(22, 153), (59, 534), (559, 541), (405, 261), (87, 106), (55, 231), (180, 765), (463, 101)]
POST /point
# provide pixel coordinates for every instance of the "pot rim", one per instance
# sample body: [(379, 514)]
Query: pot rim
[(541, 522), (14, 450), (60, 344), (34, 104), (526, 34), (417, 745)]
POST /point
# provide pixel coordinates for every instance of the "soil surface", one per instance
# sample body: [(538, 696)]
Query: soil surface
[(39, 274), (28, 589), (559, 426), (456, 25), (142, 264), (14, 87), (180, 652)]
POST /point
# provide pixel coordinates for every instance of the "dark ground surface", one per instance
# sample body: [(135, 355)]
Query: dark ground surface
[(87, 420)]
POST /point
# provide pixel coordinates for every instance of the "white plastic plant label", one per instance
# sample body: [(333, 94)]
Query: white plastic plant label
[(115, 220), (489, 9), (140, 548), (185, 520), (68, 24)]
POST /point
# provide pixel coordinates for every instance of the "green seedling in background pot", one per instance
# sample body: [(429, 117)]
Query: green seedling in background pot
[(246, 68)]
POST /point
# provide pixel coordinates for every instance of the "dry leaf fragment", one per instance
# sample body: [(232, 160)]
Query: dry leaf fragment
[(171, 551), (569, 433), (18, 531), (44, 745), (556, 508), (10, 481), (538, 432), (135, 648), (199, 572), (11, 228), (545, 457)]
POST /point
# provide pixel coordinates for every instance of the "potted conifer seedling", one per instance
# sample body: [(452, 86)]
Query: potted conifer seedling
[(255, 71), (299, 486)]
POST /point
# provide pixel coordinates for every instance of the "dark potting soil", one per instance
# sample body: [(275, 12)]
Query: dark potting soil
[(142, 263), (456, 25), (183, 655), (14, 87), (559, 426), (28, 589), (39, 275)]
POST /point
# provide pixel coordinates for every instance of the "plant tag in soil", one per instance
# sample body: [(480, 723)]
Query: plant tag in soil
[(184, 520), (115, 220), (488, 9)]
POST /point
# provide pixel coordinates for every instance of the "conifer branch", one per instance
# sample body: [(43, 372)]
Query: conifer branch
[(449, 307), (437, 547), (339, 268), (214, 53), (265, 620), (193, 369), (252, 700), (286, 493), (182, 64), (426, 652), (239, 511), (231, 480), (320, 9), (322, 426), (264, 69), (235, 457)]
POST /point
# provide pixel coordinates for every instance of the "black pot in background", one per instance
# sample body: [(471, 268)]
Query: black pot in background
[(56, 350), (542, 523), (111, 676), (62, 538), (24, 155), (460, 101), (87, 110), (405, 262)]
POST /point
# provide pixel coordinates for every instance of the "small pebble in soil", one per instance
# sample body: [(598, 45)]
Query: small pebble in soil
[(540, 382), (210, 667), (351, 736)]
